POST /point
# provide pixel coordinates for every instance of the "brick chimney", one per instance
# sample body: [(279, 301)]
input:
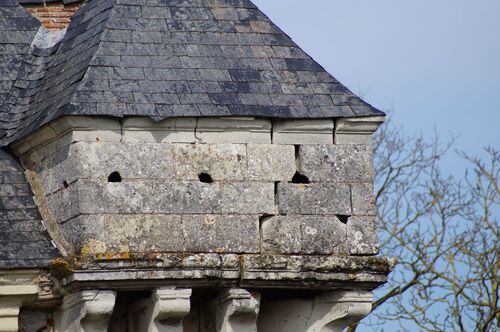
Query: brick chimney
[(54, 15)]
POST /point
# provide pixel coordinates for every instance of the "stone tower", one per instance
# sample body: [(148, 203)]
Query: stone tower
[(178, 165)]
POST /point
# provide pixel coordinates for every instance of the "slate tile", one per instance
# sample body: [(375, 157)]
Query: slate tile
[(225, 98), (245, 75)]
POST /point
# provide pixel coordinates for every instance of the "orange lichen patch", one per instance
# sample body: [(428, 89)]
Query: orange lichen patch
[(54, 15), (64, 265), (112, 256)]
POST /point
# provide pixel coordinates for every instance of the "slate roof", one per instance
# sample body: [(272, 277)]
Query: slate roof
[(162, 58), (24, 242)]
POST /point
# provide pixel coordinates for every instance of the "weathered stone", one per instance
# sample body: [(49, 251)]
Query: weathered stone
[(162, 197), (88, 310), (123, 234), (91, 160), (9, 316), (236, 310), (362, 236), (17, 288), (85, 231), (303, 132), (269, 262), (356, 130), (314, 198), (297, 234), (336, 163), (195, 197), (220, 161), (332, 311), (363, 199), (216, 233), (233, 130), (132, 161), (140, 130), (282, 235), (269, 162), (323, 235), (247, 198), (165, 310)]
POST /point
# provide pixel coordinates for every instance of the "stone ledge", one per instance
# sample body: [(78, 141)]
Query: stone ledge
[(215, 270), (303, 132), (357, 130), (245, 130)]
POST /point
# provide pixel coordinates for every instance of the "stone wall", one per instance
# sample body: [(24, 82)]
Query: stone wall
[(206, 185)]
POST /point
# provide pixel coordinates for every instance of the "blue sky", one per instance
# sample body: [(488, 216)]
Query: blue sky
[(436, 64)]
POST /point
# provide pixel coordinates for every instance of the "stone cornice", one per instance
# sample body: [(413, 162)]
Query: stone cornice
[(70, 129), (356, 130), (229, 270)]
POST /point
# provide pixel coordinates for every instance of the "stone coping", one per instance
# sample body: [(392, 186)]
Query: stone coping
[(224, 270), (201, 130)]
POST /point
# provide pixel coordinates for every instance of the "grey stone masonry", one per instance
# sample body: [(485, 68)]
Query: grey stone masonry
[(337, 163), (110, 194), (314, 198)]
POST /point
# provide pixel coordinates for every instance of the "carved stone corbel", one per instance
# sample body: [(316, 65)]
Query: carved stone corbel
[(330, 312), (167, 308), (237, 311), (85, 311)]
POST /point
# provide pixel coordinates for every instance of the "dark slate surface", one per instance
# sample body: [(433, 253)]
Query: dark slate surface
[(42, 2), (24, 242), (17, 30), (165, 58)]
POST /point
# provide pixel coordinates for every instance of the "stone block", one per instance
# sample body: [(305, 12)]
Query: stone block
[(167, 131), (247, 198), (282, 235), (43, 151), (63, 165), (85, 160), (363, 199), (64, 204), (269, 162), (362, 236), (195, 197), (233, 130), (221, 234), (161, 197), (356, 130), (336, 163), (221, 161), (304, 234), (303, 132), (314, 198), (323, 235), (97, 135), (144, 233)]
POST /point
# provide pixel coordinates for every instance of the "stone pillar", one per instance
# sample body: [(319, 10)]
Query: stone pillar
[(237, 311), (17, 287), (9, 314), (85, 311), (331, 312), (166, 309)]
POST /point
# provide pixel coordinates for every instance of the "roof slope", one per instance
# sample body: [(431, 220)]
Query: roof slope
[(24, 242), (17, 30), (166, 58)]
